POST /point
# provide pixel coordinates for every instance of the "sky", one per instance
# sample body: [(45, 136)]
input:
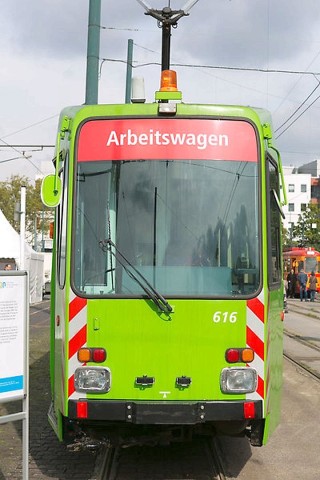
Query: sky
[(263, 53)]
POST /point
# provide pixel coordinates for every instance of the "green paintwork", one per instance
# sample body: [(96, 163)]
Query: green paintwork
[(141, 341), (273, 363), (168, 95), (77, 114), (51, 191)]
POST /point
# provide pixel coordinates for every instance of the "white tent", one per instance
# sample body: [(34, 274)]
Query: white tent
[(33, 261)]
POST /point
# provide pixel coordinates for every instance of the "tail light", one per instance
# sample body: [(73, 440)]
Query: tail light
[(96, 355), (239, 355)]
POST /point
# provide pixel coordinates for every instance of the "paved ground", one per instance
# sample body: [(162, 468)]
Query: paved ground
[(48, 459), (292, 452), (306, 308), (51, 460)]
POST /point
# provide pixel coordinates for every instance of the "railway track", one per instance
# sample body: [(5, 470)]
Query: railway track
[(309, 358), (301, 336), (302, 340), (303, 366), (200, 459)]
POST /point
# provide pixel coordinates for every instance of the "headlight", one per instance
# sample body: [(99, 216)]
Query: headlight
[(92, 379), (238, 380)]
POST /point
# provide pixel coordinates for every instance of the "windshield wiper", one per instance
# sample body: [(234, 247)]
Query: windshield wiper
[(276, 198), (152, 293)]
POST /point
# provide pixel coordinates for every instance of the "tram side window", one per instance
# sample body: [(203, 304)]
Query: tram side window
[(62, 222), (274, 224)]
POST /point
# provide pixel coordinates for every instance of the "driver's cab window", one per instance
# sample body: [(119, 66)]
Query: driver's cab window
[(274, 221), (62, 225)]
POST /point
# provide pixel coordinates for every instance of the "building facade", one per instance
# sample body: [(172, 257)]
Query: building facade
[(298, 187), (314, 169)]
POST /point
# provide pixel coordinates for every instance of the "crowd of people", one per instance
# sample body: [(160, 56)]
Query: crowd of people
[(305, 284)]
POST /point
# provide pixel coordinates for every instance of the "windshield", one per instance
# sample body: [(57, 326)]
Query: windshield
[(311, 264), (189, 226)]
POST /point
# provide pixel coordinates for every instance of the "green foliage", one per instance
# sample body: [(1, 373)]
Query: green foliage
[(10, 196), (306, 231), (287, 238)]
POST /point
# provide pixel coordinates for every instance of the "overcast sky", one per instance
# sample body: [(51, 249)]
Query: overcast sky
[(43, 47)]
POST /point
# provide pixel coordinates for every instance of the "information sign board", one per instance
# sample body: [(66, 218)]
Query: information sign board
[(13, 336)]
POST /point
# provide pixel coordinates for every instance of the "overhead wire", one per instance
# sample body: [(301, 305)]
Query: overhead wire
[(10, 159), (204, 66), (297, 118), (213, 67), (297, 109), (30, 126), (260, 70), (22, 153), (298, 80), (245, 69)]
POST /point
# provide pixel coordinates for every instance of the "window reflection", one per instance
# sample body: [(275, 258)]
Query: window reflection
[(190, 227)]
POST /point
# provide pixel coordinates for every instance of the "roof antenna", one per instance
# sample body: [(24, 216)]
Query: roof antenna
[(167, 18)]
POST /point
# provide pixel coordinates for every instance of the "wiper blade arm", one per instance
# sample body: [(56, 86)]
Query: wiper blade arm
[(136, 275)]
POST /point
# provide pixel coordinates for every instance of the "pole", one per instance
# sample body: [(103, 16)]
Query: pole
[(167, 18), (129, 70), (155, 235), (166, 41), (42, 231), (22, 226), (35, 243), (93, 51), (26, 401)]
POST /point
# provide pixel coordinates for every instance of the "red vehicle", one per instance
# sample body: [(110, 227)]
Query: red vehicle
[(297, 258)]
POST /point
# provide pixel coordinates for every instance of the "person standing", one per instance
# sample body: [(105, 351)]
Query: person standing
[(302, 279), (292, 280), (312, 286)]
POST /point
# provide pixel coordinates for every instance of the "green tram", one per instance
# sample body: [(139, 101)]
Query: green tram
[(167, 293)]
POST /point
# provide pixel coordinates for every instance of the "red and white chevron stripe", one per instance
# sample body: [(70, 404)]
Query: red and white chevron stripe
[(255, 340), (77, 338)]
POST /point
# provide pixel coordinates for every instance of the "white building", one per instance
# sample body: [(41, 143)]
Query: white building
[(298, 187)]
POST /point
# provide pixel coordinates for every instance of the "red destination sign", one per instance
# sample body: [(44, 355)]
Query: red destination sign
[(158, 139)]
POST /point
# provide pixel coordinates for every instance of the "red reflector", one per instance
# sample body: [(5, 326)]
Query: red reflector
[(233, 355), (82, 410), (99, 355), (249, 410)]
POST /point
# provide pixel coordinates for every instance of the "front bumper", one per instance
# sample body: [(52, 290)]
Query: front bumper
[(164, 413)]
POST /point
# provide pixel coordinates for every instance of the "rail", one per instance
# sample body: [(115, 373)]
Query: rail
[(302, 340), (199, 458)]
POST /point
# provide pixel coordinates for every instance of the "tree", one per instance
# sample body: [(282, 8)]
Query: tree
[(287, 240), (307, 228), (36, 221)]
